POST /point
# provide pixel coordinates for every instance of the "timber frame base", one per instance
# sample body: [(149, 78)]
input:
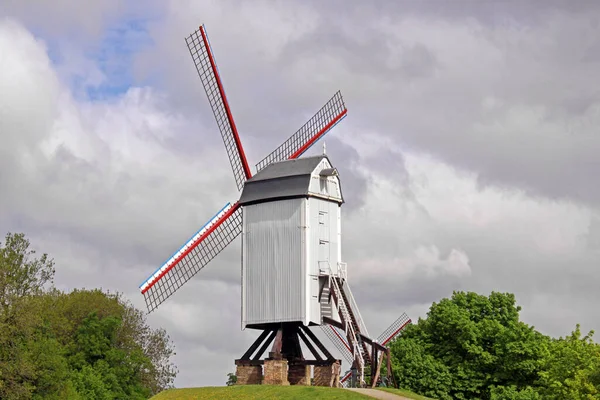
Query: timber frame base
[(285, 364)]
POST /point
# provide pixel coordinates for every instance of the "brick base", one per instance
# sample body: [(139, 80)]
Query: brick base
[(249, 374), (299, 374), (276, 372), (327, 375)]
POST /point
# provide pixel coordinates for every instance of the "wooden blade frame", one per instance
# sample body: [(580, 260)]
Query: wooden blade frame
[(198, 251), (204, 61), (394, 329), (326, 118)]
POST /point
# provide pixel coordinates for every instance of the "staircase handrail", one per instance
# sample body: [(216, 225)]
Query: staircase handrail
[(342, 273), (342, 307)]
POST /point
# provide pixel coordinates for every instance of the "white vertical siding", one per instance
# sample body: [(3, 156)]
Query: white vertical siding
[(314, 249), (323, 250), (324, 225), (339, 233), (273, 274)]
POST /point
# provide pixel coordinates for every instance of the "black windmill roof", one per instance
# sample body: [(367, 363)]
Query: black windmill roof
[(281, 180)]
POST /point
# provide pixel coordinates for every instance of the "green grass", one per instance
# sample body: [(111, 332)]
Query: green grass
[(248, 392), (405, 393)]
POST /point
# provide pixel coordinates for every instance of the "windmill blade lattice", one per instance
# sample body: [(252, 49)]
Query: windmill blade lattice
[(394, 329), (338, 341), (209, 241), (205, 64), (326, 118)]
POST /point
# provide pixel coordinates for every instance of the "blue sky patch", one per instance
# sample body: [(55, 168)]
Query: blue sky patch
[(112, 55)]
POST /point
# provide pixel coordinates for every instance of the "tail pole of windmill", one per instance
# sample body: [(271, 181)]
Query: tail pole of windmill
[(293, 276)]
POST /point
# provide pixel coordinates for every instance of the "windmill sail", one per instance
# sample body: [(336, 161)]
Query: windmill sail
[(204, 60), (326, 118), (338, 341), (198, 251), (394, 329)]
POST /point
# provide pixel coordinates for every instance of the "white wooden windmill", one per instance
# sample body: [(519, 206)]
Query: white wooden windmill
[(293, 276)]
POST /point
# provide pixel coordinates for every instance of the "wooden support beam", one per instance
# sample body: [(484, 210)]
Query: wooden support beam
[(255, 345), (312, 336), (335, 323), (324, 363), (290, 348), (389, 368), (378, 366), (372, 343), (277, 344), (266, 344), (308, 344), (374, 364), (249, 362)]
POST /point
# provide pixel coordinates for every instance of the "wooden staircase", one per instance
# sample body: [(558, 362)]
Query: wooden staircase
[(363, 346)]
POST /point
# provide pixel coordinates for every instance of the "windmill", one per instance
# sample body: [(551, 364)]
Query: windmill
[(293, 276)]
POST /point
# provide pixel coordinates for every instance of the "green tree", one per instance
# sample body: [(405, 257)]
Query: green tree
[(572, 368), (419, 371), (231, 379), (467, 345), (23, 276), (513, 393), (86, 344)]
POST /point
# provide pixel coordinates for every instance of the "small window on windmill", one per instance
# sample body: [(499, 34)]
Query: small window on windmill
[(322, 217), (328, 172), (324, 181)]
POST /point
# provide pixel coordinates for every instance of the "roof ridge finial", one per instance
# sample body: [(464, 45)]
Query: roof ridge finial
[(324, 148)]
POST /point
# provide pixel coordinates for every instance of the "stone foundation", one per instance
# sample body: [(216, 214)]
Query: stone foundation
[(276, 372), (249, 374), (327, 375), (299, 374)]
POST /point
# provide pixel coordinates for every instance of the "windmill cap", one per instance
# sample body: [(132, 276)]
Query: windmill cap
[(285, 179)]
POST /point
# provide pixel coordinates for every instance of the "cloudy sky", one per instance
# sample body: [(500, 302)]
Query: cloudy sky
[(470, 156)]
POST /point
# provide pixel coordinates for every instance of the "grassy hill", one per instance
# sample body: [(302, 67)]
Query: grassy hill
[(250, 392)]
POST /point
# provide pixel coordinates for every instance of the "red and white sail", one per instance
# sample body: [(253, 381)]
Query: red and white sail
[(186, 262), (314, 129), (204, 60)]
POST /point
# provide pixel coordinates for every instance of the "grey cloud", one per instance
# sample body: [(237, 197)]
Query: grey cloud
[(490, 13), (533, 68), (378, 292), (68, 16), (593, 235), (366, 51)]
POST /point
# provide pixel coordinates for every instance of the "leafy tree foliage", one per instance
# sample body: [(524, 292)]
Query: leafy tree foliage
[(86, 344), (572, 369), (475, 347), (513, 393), (231, 379)]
